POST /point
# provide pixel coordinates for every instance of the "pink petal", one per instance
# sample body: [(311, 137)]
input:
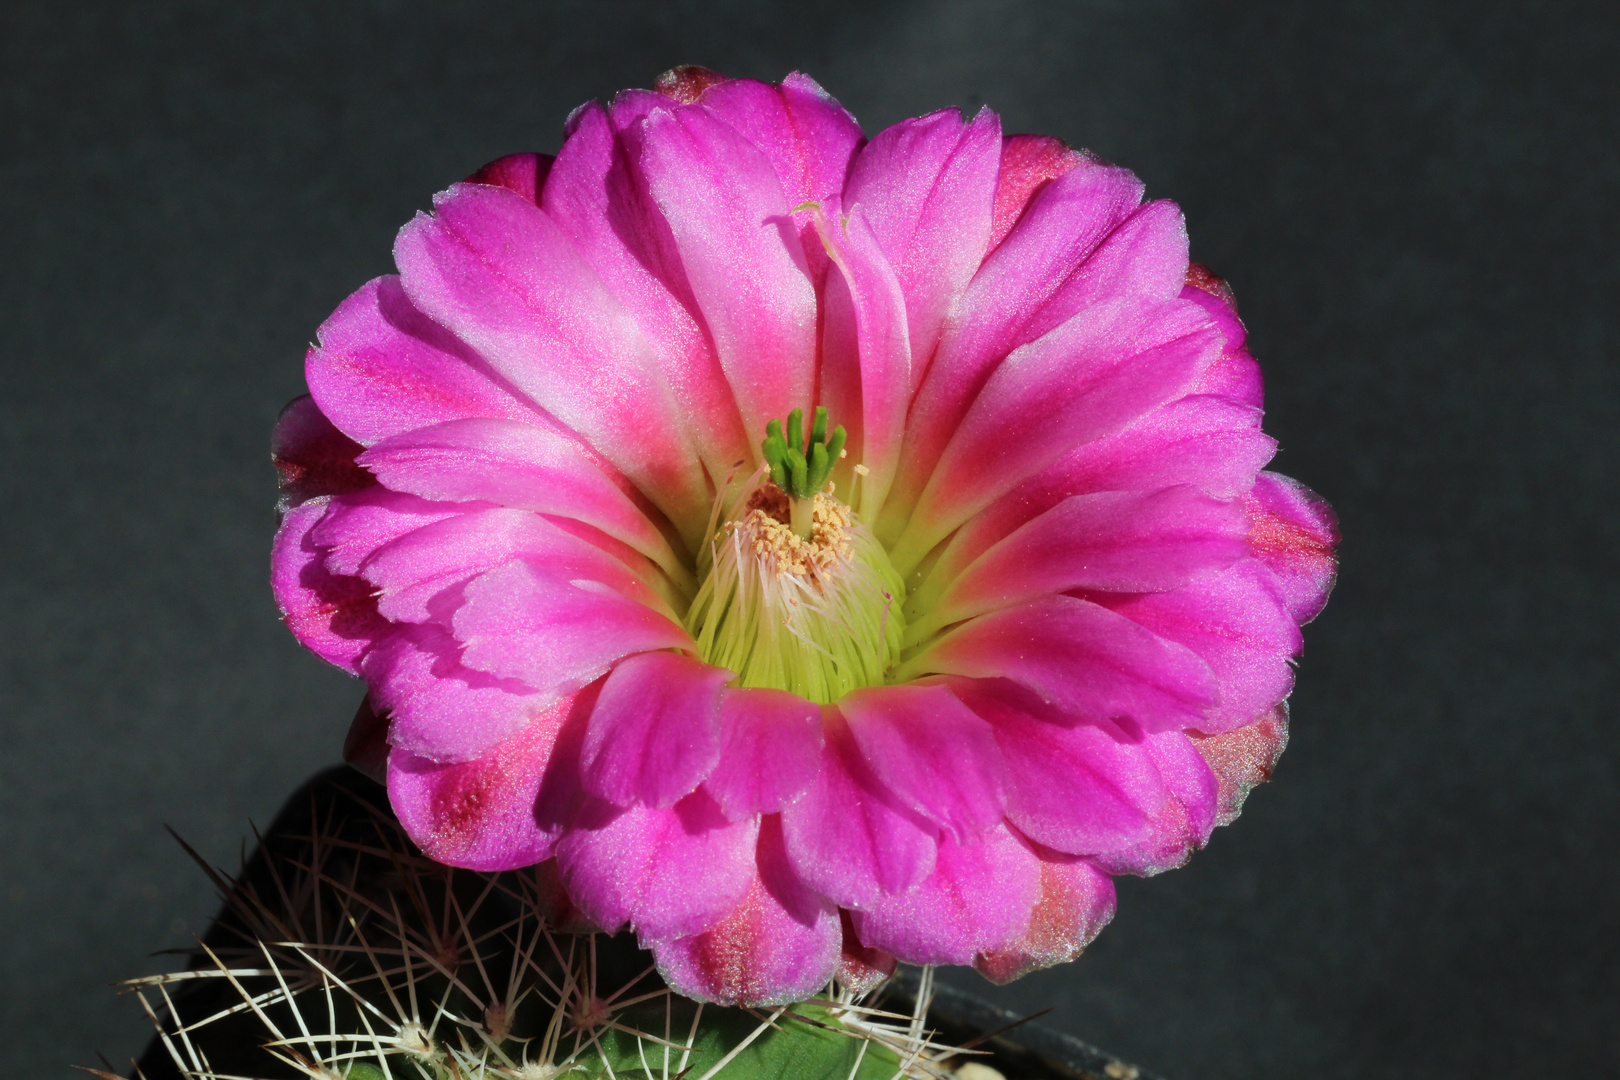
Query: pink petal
[(519, 621), (1113, 541), (1090, 378), (1076, 902), (808, 138), (383, 367), (1242, 759), (480, 814), (1294, 535), (522, 173), (598, 197), (866, 358), (418, 575), (978, 899), (333, 616), (668, 872), (313, 457), (1239, 625), (770, 751), (1081, 788), (365, 747), (441, 709), (357, 524), (742, 255), (504, 277), (932, 752), (1182, 822), (1027, 163), (927, 187), (515, 465), (655, 733), (781, 944), (845, 839), (1085, 661)]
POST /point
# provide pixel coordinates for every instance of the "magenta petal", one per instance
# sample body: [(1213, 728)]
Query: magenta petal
[(1114, 541), (932, 752), (808, 137), (357, 524), (481, 813), (1076, 902), (770, 751), (978, 899), (522, 173), (927, 187), (313, 457), (845, 839), (1091, 377), (520, 621), (383, 367), (1027, 163), (333, 616), (780, 945), (1242, 759), (1182, 822), (861, 969), (440, 708), (1294, 535), (504, 277), (866, 361), (668, 872), (1087, 662), (1079, 788), (655, 732), (1239, 625), (742, 255), (516, 465)]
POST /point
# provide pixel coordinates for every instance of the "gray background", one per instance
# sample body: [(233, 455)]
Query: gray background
[(1416, 204)]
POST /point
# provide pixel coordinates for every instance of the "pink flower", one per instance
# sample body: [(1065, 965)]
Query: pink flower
[(1039, 632)]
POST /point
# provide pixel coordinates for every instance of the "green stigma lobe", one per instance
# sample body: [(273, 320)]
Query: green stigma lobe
[(799, 468)]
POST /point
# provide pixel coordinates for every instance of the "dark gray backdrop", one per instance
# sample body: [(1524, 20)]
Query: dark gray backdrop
[(1416, 204)]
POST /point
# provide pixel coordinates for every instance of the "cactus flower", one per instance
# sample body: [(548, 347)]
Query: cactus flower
[(826, 549)]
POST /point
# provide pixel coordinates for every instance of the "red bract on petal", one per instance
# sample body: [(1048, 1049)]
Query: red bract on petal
[(830, 552)]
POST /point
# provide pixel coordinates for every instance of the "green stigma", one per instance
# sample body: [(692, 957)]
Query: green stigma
[(797, 467)]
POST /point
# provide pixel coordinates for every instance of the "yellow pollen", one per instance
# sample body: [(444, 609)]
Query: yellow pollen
[(766, 529)]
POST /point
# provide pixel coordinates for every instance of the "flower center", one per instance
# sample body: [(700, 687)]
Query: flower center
[(799, 595)]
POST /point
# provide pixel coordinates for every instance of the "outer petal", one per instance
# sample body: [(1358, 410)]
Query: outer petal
[(845, 839), (1082, 788), (313, 457), (1116, 541), (936, 756), (357, 524), (1027, 163), (1239, 625), (770, 751), (1092, 377), (927, 187), (1294, 534), (556, 635), (523, 173), (504, 277), (1076, 901), (1242, 759), (655, 732), (515, 465), (978, 899), (1185, 819), (861, 969), (333, 616), (440, 709), (383, 367), (743, 259), (1085, 661), (780, 945), (668, 872), (481, 813)]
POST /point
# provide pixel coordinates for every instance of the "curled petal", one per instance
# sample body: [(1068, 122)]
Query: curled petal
[(481, 814), (1294, 534), (770, 751), (977, 900), (668, 871), (780, 944), (1243, 758), (522, 173), (332, 615), (655, 732), (1185, 818), (312, 456), (1076, 901), (1028, 162), (861, 969)]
